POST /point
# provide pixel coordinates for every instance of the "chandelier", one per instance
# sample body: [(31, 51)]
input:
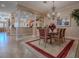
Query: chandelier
[(53, 15)]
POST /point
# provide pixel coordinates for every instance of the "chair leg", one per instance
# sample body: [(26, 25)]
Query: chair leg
[(50, 41), (39, 41), (64, 39), (45, 43), (59, 41)]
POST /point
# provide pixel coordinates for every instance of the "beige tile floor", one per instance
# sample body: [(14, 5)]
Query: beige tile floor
[(14, 49), (17, 49)]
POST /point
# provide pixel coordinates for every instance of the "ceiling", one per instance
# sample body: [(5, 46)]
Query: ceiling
[(36, 5), (45, 7), (9, 6)]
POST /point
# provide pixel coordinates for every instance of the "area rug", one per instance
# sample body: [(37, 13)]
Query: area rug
[(66, 49)]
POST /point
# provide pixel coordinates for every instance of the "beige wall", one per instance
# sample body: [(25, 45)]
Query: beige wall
[(73, 30)]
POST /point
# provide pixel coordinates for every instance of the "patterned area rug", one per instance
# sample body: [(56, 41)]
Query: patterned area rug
[(66, 49)]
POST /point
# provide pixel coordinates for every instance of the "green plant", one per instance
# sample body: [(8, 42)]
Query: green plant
[(75, 15)]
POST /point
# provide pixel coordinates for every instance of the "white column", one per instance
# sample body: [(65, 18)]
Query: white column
[(34, 28), (18, 13)]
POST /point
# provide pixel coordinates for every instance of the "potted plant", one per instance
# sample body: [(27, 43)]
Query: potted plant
[(75, 15)]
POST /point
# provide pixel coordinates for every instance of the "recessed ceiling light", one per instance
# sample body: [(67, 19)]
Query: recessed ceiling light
[(2, 5)]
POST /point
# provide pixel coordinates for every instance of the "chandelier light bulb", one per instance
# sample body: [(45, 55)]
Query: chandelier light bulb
[(58, 14), (48, 15), (53, 13)]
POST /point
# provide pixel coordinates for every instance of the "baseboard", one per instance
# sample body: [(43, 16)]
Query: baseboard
[(74, 38)]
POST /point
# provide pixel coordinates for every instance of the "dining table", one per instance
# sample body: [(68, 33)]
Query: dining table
[(53, 34)]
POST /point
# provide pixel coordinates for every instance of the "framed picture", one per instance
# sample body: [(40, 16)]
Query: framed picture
[(64, 22)]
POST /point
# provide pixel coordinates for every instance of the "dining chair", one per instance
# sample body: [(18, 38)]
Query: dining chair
[(43, 35), (60, 35), (63, 33)]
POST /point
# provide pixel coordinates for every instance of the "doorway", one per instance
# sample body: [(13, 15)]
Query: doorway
[(3, 26)]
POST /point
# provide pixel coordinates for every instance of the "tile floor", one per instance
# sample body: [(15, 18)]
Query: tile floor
[(11, 48)]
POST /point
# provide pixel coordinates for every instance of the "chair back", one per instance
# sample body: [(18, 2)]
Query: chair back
[(61, 32), (52, 27), (43, 32)]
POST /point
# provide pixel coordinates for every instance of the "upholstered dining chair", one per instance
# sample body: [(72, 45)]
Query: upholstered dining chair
[(63, 33), (43, 35), (60, 35)]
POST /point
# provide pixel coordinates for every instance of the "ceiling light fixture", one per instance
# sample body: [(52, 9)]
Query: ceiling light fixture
[(53, 15)]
